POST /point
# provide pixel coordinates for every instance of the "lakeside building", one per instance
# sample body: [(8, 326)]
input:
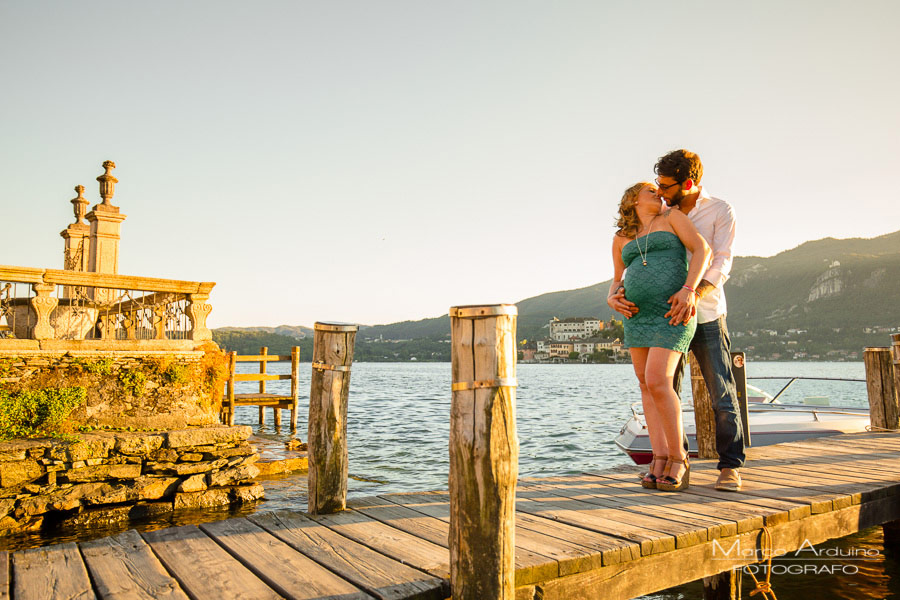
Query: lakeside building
[(574, 327)]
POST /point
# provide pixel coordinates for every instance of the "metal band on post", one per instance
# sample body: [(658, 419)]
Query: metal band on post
[(474, 312), (462, 386), (336, 327), (324, 367)]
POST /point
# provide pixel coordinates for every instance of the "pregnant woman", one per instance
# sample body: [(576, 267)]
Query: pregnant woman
[(650, 249)]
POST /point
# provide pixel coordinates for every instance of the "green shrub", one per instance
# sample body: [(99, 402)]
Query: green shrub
[(37, 413), (98, 367), (176, 373), (133, 382)]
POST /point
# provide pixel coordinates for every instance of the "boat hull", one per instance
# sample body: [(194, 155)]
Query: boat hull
[(769, 424)]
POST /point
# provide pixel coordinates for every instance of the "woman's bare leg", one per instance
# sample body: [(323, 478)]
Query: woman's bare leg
[(658, 374), (651, 415)]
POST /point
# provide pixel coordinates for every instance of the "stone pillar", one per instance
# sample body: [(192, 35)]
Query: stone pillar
[(198, 309), (43, 304), (77, 251), (106, 221)]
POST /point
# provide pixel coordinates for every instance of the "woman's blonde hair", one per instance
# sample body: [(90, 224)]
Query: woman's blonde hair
[(628, 222)]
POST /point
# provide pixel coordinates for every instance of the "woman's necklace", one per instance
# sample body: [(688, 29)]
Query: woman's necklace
[(647, 245)]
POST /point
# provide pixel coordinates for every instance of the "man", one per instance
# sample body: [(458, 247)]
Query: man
[(678, 176)]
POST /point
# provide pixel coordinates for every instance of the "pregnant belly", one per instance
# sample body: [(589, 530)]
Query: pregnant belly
[(645, 285)]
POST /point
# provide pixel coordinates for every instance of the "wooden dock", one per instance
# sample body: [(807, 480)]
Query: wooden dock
[(597, 535)]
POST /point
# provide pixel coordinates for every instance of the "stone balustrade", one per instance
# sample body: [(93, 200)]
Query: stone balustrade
[(56, 304)]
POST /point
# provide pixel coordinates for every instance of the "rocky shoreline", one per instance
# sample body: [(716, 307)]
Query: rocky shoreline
[(106, 477)]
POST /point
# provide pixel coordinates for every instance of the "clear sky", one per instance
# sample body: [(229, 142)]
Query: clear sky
[(375, 161)]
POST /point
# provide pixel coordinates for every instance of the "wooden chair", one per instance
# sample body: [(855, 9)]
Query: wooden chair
[(231, 400)]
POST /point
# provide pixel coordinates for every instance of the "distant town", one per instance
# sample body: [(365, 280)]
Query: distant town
[(591, 340), (577, 339)]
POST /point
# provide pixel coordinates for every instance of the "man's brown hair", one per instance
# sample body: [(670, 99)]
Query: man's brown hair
[(680, 165)]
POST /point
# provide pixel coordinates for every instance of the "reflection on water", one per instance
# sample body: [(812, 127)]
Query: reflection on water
[(567, 417)]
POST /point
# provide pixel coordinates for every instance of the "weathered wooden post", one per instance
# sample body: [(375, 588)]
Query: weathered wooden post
[(229, 386), (263, 352), (484, 452), (882, 390), (724, 586), (895, 355), (295, 389), (704, 417), (883, 384), (329, 389)]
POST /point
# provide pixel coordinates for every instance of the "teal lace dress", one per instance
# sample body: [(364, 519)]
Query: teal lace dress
[(649, 286)]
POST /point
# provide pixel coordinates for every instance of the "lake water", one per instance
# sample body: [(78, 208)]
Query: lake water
[(567, 417)]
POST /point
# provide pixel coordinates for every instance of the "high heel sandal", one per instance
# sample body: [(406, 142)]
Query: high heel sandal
[(649, 479), (668, 483)]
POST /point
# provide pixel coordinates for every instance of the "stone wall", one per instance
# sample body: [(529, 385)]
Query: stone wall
[(107, 476), (126, 388)]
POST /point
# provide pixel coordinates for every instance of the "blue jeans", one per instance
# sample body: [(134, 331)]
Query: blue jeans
[(712, 349)]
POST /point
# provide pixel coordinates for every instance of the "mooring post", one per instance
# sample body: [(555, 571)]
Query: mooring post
[(329, 389), (232, 359), (895, 357), (882, 390), (295, 389), (883, 382), (704, 417), (262, 384), (484, 452)]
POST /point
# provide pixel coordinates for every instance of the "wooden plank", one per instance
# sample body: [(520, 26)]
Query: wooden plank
[(684, 533), (203, 568), (259, 377), (123, 566), (656, 572), (594, 518), (381, 576), (285, 570), (266, 358), (400, 517), (50, 572), (594, 490), (559, 554), (4, 575), (725, 519), (392, 540), (774, 510), (612, 549), (820, 496), (883, 465), (757, 484)]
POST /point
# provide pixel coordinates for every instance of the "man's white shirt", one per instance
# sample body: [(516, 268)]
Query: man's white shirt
[(714, 219)]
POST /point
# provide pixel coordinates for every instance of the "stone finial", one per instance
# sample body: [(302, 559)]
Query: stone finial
[(79, 204), (107, 183)]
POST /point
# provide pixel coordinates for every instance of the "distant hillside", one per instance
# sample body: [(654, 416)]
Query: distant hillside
[(836, 283), (292, 331), (826, 284)]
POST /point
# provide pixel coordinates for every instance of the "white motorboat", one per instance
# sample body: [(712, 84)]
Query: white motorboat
[(771, 422)]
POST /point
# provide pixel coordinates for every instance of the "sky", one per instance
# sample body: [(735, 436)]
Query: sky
[(373, 162)]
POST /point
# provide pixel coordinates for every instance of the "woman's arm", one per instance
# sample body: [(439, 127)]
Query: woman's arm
[(684, 302), (616, 297)]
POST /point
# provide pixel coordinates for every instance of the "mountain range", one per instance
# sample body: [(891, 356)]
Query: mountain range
[(827, 284)]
